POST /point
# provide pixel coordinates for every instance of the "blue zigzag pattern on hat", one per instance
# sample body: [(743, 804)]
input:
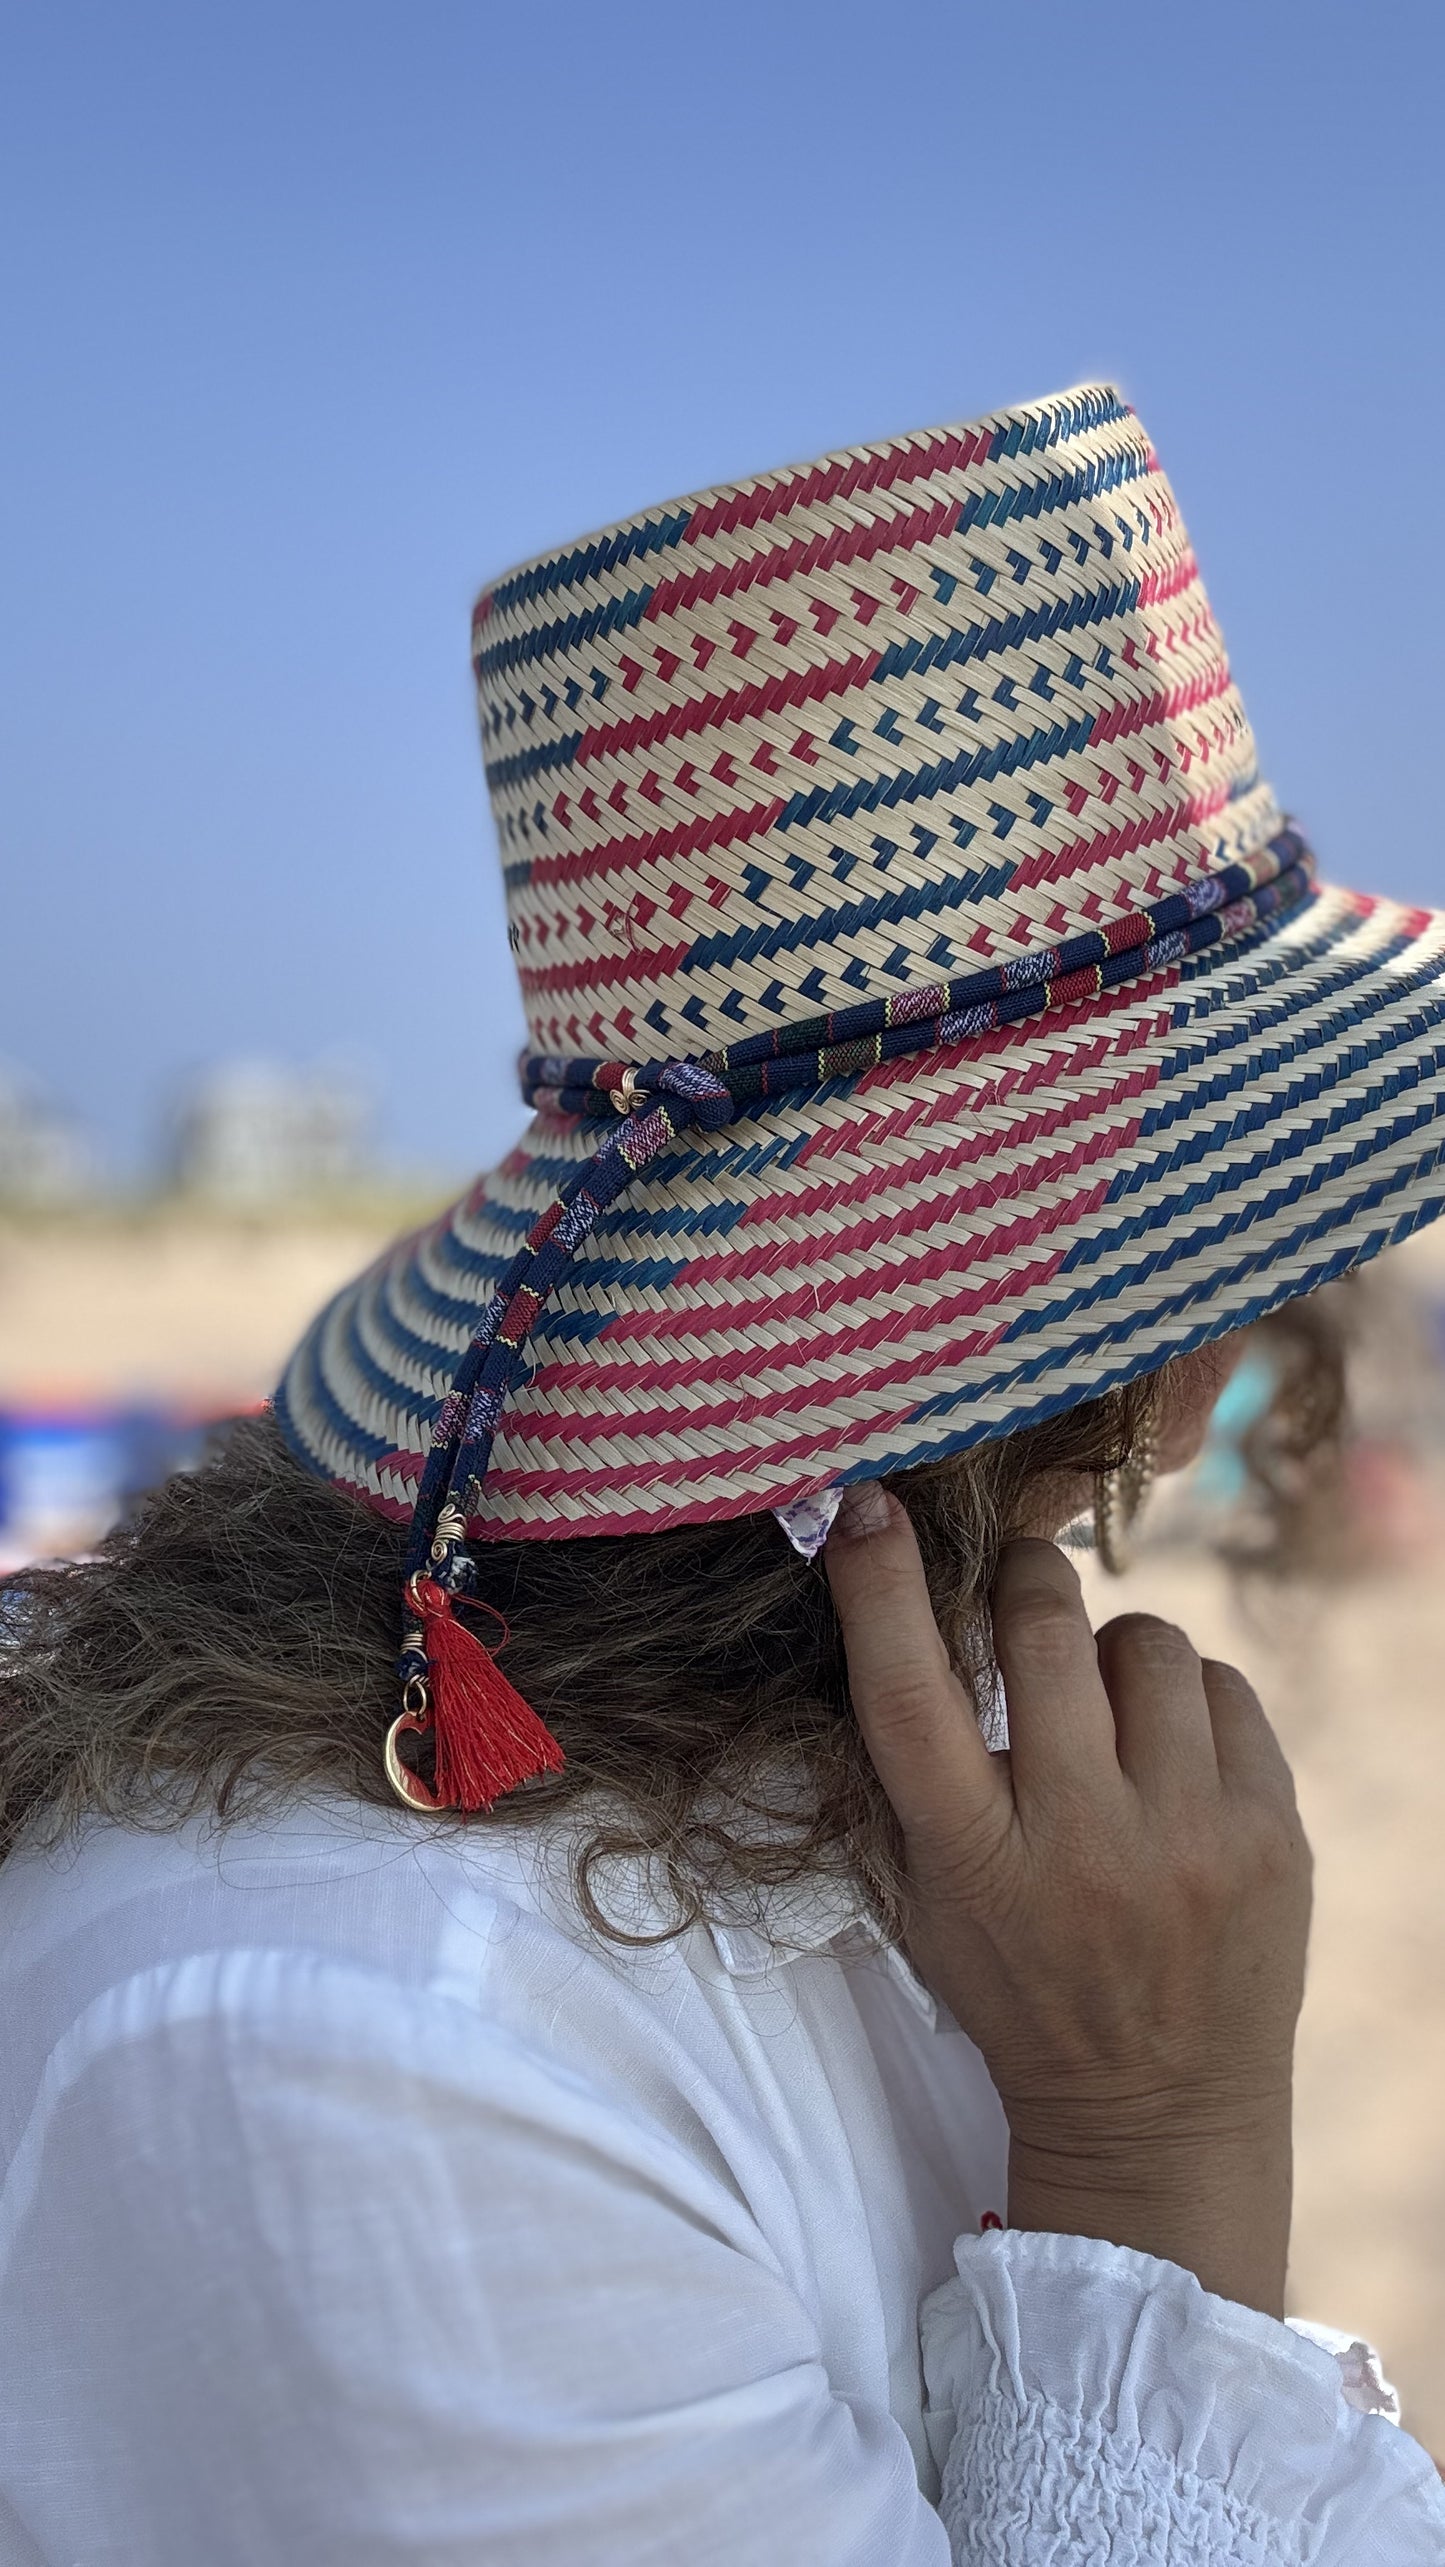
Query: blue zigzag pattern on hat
[(1053, 423), (591, 561), (618, 614), (1031, 499)]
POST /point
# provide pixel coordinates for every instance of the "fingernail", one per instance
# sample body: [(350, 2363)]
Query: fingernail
[(863, 1508)]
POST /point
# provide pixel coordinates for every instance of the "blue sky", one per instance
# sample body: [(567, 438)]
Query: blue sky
[(318, 314)]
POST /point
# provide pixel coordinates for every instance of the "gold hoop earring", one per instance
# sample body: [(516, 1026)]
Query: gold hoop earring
[(1119, 1497)]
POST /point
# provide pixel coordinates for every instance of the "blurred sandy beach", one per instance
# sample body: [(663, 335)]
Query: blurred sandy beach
[(199, 1310), (194, 1307)]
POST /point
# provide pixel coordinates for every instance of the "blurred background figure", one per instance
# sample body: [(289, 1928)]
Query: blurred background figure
[(314, 320), (254, 1134), (43, 1159)]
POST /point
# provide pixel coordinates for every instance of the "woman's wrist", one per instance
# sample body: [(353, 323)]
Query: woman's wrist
[(1214, 2198)]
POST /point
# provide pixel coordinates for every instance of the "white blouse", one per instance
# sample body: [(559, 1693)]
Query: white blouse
[(360, 2208)]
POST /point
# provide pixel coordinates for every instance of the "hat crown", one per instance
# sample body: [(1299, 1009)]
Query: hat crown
[(854, 727)]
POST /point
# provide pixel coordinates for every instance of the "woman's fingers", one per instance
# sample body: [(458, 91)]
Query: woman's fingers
[(1087, 1715), (916, 1718), (1249, 1756), (1155, 1684), (1061, 1726)]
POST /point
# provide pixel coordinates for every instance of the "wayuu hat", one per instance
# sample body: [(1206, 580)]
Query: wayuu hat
[(934, 1020)]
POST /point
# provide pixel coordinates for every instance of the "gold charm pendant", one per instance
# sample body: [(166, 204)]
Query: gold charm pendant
[(408, 1786)]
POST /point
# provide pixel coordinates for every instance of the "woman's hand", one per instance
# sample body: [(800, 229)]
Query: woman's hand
[(1116, 1911)]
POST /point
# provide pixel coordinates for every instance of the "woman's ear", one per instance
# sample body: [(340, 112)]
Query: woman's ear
[(1188, 1390)]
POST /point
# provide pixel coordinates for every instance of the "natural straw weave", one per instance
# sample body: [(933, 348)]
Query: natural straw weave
[(941, 715)]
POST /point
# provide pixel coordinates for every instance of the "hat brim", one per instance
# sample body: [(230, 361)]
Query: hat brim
[(934, 1253)]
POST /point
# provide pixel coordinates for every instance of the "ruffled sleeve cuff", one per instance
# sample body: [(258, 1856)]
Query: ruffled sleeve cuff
[(1089, 2403)]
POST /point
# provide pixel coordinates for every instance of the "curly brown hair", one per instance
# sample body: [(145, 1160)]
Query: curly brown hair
[(235, 1641)]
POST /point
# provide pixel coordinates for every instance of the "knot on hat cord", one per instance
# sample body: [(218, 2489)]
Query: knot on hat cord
[(487, 1739)]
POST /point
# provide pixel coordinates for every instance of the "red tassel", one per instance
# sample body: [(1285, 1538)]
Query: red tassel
[(488, 1740)]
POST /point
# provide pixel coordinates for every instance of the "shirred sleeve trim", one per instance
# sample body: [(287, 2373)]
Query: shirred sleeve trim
[(1088, 2402)]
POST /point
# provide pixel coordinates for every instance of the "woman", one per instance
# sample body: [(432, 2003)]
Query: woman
[(634, 2074)]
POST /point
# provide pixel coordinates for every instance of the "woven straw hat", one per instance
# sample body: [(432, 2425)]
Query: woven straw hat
[(934, 1020)]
